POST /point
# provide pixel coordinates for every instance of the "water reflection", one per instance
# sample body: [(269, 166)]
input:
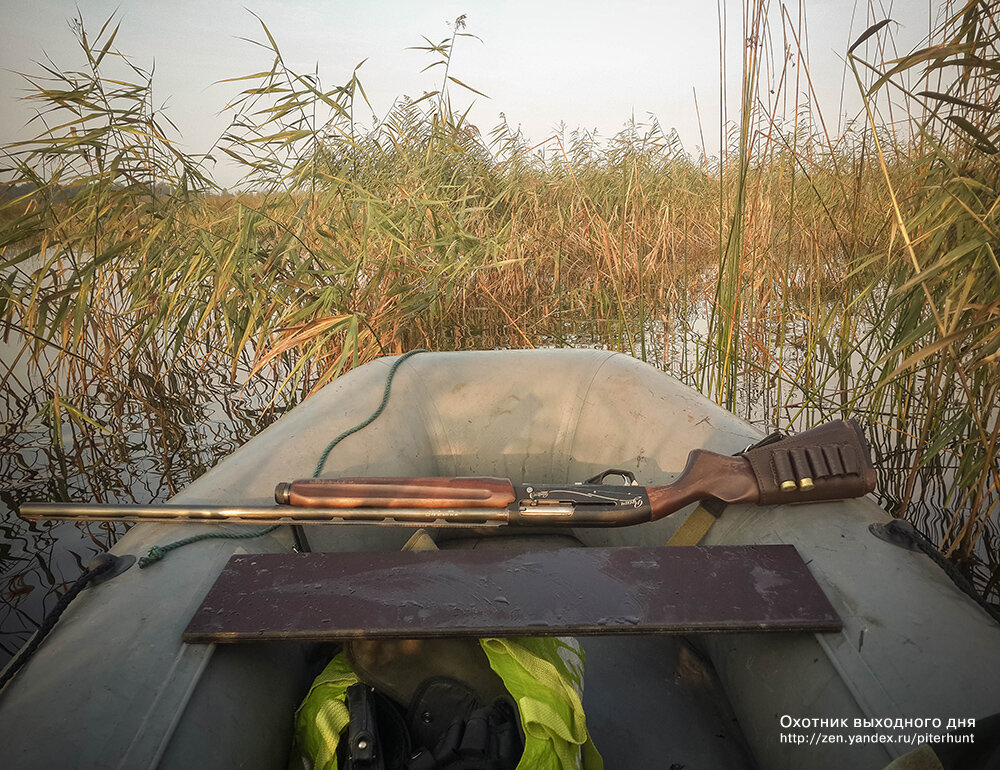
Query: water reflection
[(156, 435), (152, 430)]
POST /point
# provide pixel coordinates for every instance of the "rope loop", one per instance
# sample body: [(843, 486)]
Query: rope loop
[(155, 554)]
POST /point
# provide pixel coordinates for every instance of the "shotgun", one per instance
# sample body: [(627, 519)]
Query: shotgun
[(830, 462)]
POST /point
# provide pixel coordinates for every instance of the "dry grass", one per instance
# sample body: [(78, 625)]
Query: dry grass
[(817, 275)]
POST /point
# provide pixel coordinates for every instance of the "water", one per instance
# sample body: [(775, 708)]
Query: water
[(161, 429), (156, 438)]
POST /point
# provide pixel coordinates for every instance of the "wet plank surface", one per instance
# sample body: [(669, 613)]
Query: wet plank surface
[(493, 592)]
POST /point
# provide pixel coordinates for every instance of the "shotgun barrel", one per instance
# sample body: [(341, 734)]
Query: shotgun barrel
[(548, 515), (264, 514), (831, 462)]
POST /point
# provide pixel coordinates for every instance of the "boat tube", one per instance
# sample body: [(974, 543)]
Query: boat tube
[(113, 685)]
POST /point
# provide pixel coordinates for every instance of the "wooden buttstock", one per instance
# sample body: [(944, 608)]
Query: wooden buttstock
[(393, 492), (829, 462), (706, 475)]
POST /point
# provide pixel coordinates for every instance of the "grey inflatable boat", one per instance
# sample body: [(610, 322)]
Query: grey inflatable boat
[(114, 686)]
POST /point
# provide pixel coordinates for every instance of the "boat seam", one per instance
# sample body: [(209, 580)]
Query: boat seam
[(583, 403), (843, 658), (439, 432)]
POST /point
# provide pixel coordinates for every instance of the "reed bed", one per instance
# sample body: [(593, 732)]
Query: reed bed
[(799, 275)]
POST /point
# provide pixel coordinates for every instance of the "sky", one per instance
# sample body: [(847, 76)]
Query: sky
[(586, 64)]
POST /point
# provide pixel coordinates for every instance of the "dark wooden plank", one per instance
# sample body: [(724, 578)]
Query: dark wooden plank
[(492, 592)]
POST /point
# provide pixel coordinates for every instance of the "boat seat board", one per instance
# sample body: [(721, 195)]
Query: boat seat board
[(492, 592)]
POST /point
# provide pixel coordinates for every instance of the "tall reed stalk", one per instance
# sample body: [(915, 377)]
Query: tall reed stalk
[(799, 275), (943, 308)]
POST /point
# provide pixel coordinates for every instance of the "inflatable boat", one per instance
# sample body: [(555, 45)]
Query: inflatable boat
[(114, 685)]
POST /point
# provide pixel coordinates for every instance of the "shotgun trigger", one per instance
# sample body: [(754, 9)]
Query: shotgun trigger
[(627, 476)]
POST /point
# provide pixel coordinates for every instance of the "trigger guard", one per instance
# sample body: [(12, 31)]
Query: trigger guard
[(628, 476)]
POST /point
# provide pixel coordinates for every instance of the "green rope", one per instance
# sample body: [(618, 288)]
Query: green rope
[(385, 400), (157, 552)]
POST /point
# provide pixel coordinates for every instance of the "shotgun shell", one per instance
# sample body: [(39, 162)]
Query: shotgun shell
[(806, 484), (788, 486)]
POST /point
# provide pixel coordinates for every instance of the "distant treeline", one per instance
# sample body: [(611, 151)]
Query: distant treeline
[(59, 193)]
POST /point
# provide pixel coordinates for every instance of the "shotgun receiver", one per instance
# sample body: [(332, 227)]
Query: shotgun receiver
[(831, 462)]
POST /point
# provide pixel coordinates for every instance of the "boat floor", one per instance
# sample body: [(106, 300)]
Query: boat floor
[(653, 701), (650, 700)]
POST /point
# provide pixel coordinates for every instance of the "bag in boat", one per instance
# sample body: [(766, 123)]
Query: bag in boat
[(491, 704)]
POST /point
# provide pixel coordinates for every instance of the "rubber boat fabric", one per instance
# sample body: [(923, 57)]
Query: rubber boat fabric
[(543, 675), (113, 685)]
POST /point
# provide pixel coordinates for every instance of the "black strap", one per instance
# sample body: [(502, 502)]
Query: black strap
[(363, 748), (101, 564)]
